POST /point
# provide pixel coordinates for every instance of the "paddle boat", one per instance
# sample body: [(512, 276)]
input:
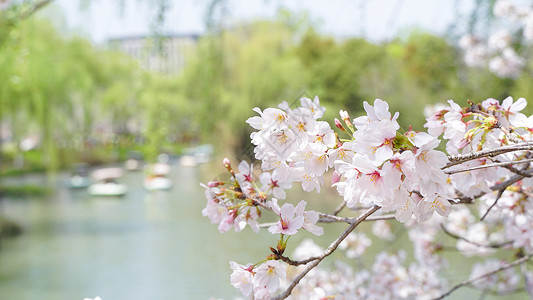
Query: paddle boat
[(157, 177), (106, 183)]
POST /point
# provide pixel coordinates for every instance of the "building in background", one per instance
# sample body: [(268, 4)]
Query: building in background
[(164, 54)]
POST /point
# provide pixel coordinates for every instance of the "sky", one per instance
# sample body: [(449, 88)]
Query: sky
[(377, 20)]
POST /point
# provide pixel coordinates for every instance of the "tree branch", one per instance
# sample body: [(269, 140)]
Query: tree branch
[(326, 253), (469, 281), (339, 208), (499, 186), (500, 164), (327, 218), (456, 236), (500, 193), (458, 159)]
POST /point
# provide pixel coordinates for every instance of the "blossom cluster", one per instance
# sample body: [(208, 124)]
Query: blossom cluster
[(238, 202), (389, 277), (261, 281), (498, 52), (488, 125), (375, 163), (394, 170)]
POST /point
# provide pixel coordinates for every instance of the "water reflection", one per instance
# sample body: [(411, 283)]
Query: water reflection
[(146, 245)]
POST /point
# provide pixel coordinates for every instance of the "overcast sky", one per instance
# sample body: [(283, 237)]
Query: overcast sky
[(376, 19)]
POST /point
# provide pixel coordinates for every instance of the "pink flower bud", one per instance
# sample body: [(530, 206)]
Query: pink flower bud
[(339, 125), (226, 162), (344, 115), (214, 183), (335, 177)]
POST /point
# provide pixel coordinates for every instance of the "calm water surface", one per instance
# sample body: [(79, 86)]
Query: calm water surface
[(146, 245)]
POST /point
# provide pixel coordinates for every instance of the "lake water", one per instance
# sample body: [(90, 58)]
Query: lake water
[(146, 245)]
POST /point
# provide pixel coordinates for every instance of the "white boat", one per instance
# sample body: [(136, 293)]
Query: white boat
[(107, 189), (157, 178), (106, 184), (157, 183)]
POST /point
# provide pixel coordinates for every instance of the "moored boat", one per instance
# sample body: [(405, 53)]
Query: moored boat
[(106, 183), (157, 177)]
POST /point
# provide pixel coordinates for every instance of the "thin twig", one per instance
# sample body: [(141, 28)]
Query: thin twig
[(327, 218), (458, 159), (499, 186), (472, 242), (297, 262), (500, 193), (500, 164), (326, 253), (516, 171), (469, 281), (339, 208), (382, 217)]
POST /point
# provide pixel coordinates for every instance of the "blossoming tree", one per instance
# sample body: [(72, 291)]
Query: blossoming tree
[(504, 51), (476, 188)]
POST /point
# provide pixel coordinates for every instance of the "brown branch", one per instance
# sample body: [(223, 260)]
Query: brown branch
[(500, 164), (500, 193), (458, 159), (339, 208), (456, 236), (469, 281), (327, 218), (297, 262), (326, 253), (499, 186)]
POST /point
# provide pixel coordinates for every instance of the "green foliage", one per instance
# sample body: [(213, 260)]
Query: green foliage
[(85, 102), (252, 65)]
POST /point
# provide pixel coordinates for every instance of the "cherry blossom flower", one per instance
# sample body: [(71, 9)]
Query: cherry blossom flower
[(289, 222), (310, 219), (272, 184), (245, 176), (313, 106), (242, 277), (269, 275)]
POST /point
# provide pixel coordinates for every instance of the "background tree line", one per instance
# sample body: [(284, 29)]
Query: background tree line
[(89, 103)]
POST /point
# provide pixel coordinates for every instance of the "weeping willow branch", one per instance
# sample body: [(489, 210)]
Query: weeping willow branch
[(327, 252)]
